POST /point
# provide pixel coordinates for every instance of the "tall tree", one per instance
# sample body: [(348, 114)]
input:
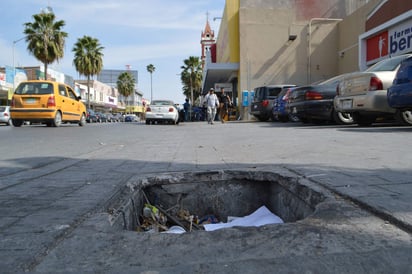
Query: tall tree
[(88, 59), (126, 84), (150, 68), (191, 76), (45, 38)]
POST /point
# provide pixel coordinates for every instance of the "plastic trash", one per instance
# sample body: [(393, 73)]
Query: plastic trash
[(261, 216), (175, 230)]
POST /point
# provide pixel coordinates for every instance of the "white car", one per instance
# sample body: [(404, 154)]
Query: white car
[(364, 94), (5, 115), (162, 111)]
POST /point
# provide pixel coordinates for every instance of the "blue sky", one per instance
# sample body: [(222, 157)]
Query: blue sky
[(132, 32)]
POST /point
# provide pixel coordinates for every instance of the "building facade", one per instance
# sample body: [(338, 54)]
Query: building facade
[(134, 103), (301, 41)]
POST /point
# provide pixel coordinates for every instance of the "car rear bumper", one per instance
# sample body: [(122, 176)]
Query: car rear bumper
[(313, 110), (32, 114), (162, 116), (373, 101), (400, 100)]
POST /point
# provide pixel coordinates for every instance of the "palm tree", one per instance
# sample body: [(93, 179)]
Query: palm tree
[(126, 84), (150, 68), (45, 38), (88, 59), (191, 76)]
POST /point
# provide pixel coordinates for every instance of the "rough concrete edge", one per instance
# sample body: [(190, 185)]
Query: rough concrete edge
[(117, 214)]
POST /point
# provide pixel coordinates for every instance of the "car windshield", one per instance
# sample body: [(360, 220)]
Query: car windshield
[(387, 65), (162, 103), (274, 91), (34, 88)]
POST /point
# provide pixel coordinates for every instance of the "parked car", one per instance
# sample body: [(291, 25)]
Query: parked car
[(400, 93), (46, 102), (162, 111), (279, 112), (364, 94), (115, 117), (314, 103), (131, 118), (262, 102), (5, 115), (101, 117), (91, 116)]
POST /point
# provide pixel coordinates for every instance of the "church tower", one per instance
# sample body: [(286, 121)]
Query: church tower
[(207, 40)]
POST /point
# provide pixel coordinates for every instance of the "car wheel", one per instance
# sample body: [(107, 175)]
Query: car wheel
[(404, 116), (147, 122), (363, 121), (17, 123), (342, 118), (82, 121), (293, 118), (57, 121)]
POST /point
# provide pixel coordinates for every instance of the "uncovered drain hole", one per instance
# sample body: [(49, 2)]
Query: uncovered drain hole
[(188, 202)]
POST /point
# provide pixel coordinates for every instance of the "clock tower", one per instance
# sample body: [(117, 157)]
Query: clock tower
[(207, 41)]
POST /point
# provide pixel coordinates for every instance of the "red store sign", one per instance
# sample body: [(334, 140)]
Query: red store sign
[(393, 41)]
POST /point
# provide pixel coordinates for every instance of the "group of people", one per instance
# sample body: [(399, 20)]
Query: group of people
[(213, 104)]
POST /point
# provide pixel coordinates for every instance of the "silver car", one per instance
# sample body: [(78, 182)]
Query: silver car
[(5, 115), (364, 94)]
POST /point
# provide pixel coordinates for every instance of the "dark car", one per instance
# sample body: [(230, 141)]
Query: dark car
[(130, 118), (116, 117), (400, 93), (261, 106), (101, 117), (111, 118), (279, 111), (91, 116), (314, 103)]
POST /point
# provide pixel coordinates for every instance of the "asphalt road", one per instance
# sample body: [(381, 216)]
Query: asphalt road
[(56, 182)]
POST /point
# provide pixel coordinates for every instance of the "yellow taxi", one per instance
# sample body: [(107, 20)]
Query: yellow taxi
[(47, 102)]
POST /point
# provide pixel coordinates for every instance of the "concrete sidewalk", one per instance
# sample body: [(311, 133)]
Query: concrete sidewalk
[(364, 224)]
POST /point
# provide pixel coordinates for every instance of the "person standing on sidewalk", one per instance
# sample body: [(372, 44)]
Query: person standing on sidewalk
[(225, 103), (212, 103), (186, 108)]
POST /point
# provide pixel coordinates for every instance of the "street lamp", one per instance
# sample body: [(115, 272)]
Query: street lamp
[(14, 67)]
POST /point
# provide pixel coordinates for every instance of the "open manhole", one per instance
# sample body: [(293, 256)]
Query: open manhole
[(188, 201)]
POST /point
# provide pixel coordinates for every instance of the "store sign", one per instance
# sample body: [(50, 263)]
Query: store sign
[(393, 41), (2, 79), (111, 101), (400, 38), (227, 86), (377, 46)]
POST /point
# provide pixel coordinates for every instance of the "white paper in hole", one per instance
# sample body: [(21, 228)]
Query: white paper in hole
[(260, 217)]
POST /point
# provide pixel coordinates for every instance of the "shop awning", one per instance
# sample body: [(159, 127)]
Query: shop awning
[(218, 73)]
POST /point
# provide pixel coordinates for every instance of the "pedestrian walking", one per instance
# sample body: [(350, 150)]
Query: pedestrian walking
[(225, 103), (186, 107), (212, 103)]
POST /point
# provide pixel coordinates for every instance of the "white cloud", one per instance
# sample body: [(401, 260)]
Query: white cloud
[(132, 32)]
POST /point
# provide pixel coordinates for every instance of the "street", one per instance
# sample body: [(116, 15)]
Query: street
[(56, 182)]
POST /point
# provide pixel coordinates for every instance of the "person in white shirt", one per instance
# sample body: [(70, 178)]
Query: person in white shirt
[(212, 103)]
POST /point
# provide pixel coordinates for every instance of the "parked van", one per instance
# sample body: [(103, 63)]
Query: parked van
[(261, 106)]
